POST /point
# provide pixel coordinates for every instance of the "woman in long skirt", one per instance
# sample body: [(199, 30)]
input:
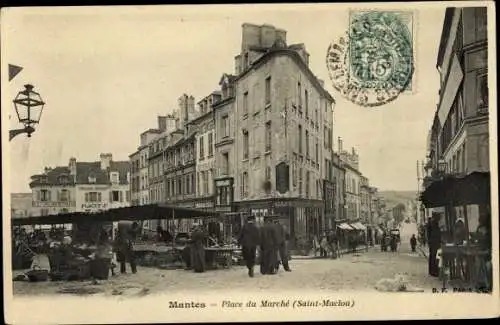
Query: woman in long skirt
[(198, 250)]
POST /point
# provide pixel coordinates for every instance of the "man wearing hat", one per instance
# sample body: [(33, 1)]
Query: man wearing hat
[(281, 237), (249, 239), (269, 260)]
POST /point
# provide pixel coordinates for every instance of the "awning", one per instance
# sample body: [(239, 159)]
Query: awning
[(473, 188), (344, 226), (358, 226), (136, 213)]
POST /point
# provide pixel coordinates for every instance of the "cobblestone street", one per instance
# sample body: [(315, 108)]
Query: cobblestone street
[(353, 272)]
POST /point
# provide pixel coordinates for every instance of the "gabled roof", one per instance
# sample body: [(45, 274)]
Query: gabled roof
[(228, 78), (83, 171)]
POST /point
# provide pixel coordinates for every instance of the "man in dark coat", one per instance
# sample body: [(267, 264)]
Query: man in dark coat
[(413, 243), (249, 239), (198, 238), (269, 248), (281, 237), (127, 232), (434, 241)]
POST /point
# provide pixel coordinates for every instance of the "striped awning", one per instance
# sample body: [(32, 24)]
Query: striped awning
[(344, 226), (358, 226)]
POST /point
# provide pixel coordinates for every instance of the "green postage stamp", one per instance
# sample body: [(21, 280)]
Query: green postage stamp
[(374, 62)]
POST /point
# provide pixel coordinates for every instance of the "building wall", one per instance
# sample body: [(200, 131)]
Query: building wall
[(285, 75), (53, 202), (205, 157), (353, 197)]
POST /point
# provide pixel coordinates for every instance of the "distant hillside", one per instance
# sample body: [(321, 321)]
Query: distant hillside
[(392, 198)]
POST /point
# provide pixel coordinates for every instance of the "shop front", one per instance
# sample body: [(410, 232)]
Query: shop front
[(301, 217)]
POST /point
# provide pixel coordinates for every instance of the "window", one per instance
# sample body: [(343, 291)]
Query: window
[(206, 183), (225, 163), (202, 148), (299, 92), (225, 126), (300, 181), (300, 139), (179, 186), (114, 177), (325, 135), (64, 196), (307, 143), (44, 195), (210, 144), (268, 136), (306, 104), (308, 185), (116, 196), (245, 103), (316, 116), (188, 184), (482, 92), (127, 196), (246, 63), (316, 149), (268, 91), (245, 144), (294, 174), (268, 173), (93, 197), (244, 185), (92, 179)]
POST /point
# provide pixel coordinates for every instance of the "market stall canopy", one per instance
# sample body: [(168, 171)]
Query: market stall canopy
[(358, 226), (473, 188), (344, 226), (144, 212)]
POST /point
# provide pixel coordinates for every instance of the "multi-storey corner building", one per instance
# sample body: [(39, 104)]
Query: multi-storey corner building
[(459, 136), (225, 152), (364, 193), (339, 181), (283, 122), (205, 153), (352, 184), (81, 187)]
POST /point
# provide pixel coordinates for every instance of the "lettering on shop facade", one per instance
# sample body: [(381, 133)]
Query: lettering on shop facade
[(100, 206)]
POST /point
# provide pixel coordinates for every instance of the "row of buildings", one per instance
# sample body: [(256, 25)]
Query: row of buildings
[(458, 141), (261, 143)]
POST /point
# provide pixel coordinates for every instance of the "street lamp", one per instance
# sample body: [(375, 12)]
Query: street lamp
[(442, 165), (29, 106)]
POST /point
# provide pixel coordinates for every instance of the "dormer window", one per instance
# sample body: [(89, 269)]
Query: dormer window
[(92, 179), (63, 179), (114, 177), (44, 179)]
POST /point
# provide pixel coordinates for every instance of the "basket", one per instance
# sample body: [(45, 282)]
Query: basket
[(37, 274)]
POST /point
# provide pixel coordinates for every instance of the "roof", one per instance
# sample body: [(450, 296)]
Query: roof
[(83, 171), (297, 58), (143, 212)]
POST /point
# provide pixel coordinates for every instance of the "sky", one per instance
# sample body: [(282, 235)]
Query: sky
[(106, 73)]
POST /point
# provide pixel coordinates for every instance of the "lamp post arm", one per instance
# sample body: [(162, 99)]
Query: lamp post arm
[(28, 130)]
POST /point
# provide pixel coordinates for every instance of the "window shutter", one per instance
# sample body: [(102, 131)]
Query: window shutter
[(110, 196), (38, 195), (120, 194), (86, 197), (58, 196), (49, 194)]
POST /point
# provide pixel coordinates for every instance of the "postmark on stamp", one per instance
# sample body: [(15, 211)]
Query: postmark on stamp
[(374, 62)]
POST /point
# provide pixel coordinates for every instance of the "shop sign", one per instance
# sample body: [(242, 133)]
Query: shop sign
[(58, 204), (100, 206), (223, 183)]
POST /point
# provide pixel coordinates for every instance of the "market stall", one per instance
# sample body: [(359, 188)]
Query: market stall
[(466, 238)]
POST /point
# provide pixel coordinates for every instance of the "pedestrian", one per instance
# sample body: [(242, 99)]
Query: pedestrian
[(198, 249), (281, 237), (413, 243), (124, 245), (434, 241), (269, 248), (249, 239), (323, 246), (332, 243)]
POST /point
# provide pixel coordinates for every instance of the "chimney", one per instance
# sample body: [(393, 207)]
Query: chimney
[(72, 167), (340, 144), (162, 123), (106, 159), (353, 151), (321, 82)]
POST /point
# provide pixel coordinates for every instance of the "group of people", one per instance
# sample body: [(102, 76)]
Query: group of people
[(389, 241), (328, 244), (271, 241)]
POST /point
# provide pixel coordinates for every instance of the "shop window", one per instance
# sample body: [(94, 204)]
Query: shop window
[(482, 92)]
